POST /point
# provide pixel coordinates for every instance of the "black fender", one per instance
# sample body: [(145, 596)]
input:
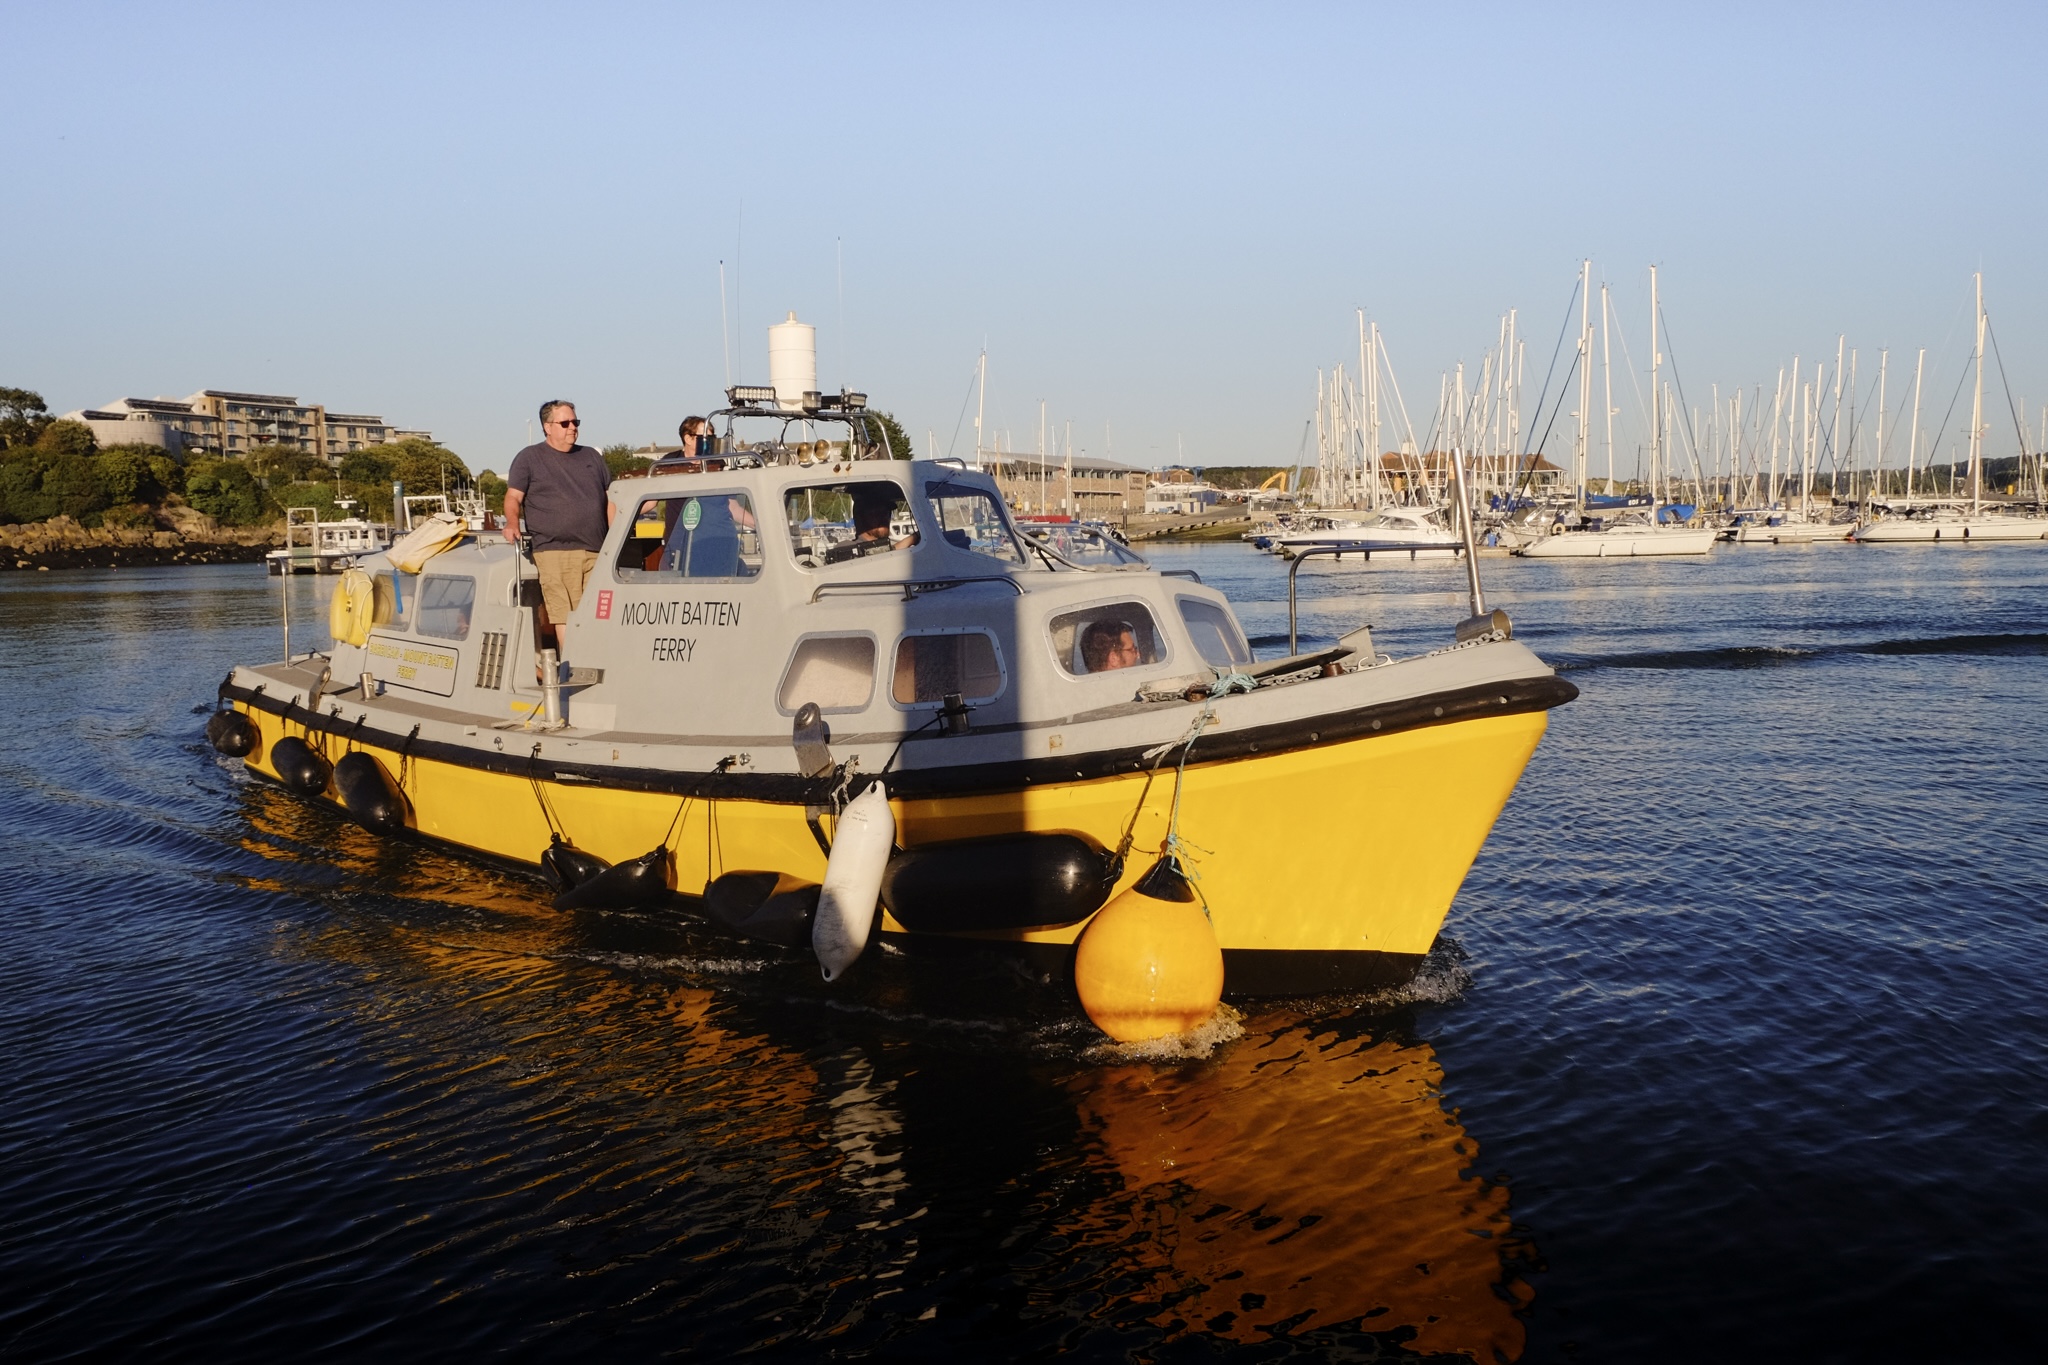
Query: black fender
[(1014, 881), (768, 907), (638, 882), (371, 797), (299, 768), (233, 733)]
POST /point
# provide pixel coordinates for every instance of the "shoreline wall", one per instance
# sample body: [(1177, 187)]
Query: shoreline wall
[(62, 543)]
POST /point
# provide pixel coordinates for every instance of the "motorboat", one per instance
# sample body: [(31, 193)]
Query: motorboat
[(1400, 533), (743, 695), (312, 545)]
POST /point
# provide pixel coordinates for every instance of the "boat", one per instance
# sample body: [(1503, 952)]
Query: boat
[(315, 546), (1952, 520), (1615, 526), (1401, 533), (740, 700), (1782, 526), (1618, 533)]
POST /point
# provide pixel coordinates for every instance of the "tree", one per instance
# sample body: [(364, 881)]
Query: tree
[(227, 491), (620, 459), (128, 476), (37, 484), (881, 426), (493, 489), (23, 415), (281, 464), (64, 437)]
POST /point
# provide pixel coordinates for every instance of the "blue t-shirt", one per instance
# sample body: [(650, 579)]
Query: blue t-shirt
[(564, 493)]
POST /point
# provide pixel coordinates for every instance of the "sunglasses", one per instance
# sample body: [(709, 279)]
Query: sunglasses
[(572, 422)]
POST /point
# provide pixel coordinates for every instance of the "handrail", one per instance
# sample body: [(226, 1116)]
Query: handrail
[(1300, 555), (1180, 573), (912, 586)]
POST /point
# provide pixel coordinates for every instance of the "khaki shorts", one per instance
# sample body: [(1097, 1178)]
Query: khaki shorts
[(562, 576)]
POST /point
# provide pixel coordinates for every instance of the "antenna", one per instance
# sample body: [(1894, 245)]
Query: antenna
[(724, 335), (839, 251), (739, 317)]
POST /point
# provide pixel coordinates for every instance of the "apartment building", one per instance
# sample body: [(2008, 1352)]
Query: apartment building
[(1090, 489), (229, 422)]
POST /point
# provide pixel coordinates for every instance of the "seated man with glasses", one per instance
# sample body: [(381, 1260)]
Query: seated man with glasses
[(1107, 645), (559, 487)]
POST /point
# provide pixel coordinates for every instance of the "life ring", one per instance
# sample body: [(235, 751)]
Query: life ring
[(353, 609), (1557, 528)]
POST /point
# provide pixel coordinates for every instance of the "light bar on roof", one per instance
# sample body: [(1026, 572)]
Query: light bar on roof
[(750, 393)]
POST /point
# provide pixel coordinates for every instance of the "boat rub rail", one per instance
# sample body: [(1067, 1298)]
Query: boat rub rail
[(1504, 698)]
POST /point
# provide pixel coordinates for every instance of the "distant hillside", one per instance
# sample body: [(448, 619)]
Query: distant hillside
[(1235, 476)]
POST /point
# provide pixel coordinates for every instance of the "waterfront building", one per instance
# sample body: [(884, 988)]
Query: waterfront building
[(1081, 486), (229, 422)]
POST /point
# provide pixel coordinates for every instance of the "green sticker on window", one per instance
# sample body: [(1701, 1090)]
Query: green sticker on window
[(693, 512)]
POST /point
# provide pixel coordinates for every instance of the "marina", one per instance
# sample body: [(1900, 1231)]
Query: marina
[(1360, 685), (1661, 1038)]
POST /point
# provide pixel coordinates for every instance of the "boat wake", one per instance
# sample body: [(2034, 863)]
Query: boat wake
[(1768, 656), (1226, 1025)]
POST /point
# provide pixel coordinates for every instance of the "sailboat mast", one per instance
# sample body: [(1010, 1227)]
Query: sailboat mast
[(1372, 404), (1585, 381), (1777, 410), (1877, 462), (1835, 423), (980, 402), (1913, 443), (1656, 387), (1977, 409), (1607, 381)]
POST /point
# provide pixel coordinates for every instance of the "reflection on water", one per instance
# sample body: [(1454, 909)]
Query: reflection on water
[(1747, 1001), (1308, 1176), (1302, 1182)]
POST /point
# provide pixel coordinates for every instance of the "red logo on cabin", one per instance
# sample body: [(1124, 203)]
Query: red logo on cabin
[(604, 605)]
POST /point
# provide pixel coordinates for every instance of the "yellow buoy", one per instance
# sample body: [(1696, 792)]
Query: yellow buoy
[(1149, 965)]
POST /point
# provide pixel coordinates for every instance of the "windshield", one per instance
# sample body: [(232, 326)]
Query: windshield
[(834, 522), (1085, 547), (972, 519)]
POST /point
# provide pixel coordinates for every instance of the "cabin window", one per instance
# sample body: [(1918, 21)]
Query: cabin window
[(832, 523), (1217, 638), (835, 671), (931, 664), (447, 602), (398, 598), (697, 535), (1104, 639), (972, 519)]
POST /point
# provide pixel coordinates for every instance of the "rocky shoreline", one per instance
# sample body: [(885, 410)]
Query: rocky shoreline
[(62, 543)]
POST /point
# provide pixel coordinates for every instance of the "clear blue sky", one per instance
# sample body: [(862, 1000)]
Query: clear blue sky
[(1155, 217)]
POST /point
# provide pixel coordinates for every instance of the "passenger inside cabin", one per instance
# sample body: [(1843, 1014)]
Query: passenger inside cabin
[(873, 506), (1108, 645)]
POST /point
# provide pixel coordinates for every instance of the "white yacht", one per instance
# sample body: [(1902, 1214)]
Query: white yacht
[(315, 546), (1402, 533), (1929, 520)]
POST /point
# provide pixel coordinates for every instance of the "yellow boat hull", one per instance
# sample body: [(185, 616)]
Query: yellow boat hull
[(1327, 865)]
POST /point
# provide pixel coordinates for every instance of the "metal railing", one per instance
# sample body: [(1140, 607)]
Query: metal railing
[(910, 587)]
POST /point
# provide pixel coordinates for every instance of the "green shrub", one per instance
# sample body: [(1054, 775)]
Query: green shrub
[(228, 492), (65, 437)]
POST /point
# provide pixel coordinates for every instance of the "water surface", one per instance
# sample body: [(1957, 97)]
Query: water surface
[(1735, 1044)]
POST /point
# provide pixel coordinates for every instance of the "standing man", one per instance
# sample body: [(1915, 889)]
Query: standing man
[(559, 486)]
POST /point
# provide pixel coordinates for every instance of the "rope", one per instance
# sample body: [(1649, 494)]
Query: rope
[(1177, 847), (533, 778), (405, 757), (906, 739)]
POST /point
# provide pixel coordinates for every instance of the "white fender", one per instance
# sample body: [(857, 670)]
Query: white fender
[(861, 843)]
